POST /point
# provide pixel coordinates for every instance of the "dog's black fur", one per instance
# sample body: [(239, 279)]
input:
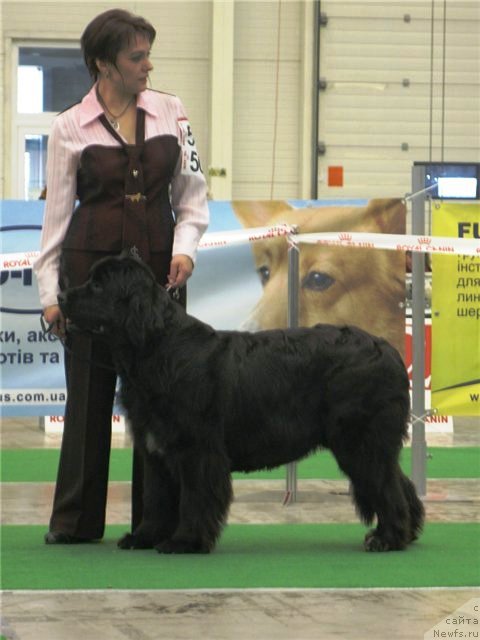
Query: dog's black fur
[(203, 403)]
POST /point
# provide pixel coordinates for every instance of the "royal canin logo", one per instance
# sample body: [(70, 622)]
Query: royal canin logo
[(344, 236), (424, 240)]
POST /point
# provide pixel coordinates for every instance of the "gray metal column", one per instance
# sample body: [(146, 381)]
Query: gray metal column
[(292, 321), (419, 444)]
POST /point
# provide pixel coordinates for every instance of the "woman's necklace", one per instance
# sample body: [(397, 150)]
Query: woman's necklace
[(111, 117)]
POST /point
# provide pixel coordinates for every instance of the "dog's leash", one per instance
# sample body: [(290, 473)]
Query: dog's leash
[(173, 291)]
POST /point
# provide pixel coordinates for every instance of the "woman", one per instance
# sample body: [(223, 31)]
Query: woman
[(127, 155)]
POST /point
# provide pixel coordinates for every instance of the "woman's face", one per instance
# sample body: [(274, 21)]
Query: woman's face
[(132, 67)]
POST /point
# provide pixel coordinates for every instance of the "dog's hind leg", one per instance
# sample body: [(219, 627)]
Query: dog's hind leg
[(394, 529), (367, 450), (205, 496), (379, 487), (377, 491), (160, 506)]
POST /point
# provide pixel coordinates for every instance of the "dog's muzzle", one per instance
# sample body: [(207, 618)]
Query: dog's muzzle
[(70, 326)]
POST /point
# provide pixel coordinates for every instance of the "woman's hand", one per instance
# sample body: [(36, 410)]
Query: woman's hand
[(54, 318), (181, 268)]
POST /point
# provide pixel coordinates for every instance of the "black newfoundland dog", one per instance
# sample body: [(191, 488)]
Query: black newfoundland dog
[(203, 403)]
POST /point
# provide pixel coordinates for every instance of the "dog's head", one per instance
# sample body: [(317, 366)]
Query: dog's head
[(120, 299), (338, 285)]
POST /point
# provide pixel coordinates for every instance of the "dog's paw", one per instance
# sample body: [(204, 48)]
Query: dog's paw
[(180, 546), (133, 541), (374, 541)]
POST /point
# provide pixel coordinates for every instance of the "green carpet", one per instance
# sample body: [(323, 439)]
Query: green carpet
[(40, 465), (248, 556)]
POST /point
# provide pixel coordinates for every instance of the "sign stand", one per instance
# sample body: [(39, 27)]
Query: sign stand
[(292, 323), (419, 444)]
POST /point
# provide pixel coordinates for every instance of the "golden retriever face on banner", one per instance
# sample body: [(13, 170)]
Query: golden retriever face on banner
[(338, 285)]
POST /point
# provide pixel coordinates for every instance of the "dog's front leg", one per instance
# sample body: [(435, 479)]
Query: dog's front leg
[(160, 506), (205, 496)]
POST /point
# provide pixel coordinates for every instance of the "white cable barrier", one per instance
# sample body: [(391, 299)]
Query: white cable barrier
[(214, 240), (218, 239), (20, 260), (393, 242)]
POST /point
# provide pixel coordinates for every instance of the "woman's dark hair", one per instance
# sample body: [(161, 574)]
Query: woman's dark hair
[(110, 32)]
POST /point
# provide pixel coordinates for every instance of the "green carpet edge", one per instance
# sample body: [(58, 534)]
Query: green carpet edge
[(247, 556)]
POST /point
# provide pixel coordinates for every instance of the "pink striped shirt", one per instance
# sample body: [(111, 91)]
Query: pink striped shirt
[(78, 127)]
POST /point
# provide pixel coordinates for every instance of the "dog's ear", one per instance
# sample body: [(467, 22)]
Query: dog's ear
[(389, 216), (258, 213)]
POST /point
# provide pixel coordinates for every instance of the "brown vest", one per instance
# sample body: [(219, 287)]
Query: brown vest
[(123, 195)]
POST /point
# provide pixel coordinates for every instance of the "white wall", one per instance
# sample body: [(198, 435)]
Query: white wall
[(181, 54), (268, 98), (377, 115)]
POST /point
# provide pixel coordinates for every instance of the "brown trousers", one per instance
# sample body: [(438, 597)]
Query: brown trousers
[(81, 490)]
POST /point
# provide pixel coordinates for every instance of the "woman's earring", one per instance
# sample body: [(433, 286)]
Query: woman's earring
[(107, 74)]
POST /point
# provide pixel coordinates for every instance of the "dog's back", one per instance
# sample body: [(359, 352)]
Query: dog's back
[(331, 374)]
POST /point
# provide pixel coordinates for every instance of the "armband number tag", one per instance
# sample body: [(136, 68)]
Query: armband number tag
[(190, 158)]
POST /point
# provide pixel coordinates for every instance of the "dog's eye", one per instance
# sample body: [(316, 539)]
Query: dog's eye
[(317, 281), (264, 274)]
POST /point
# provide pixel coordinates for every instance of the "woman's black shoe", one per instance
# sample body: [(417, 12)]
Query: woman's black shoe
[(57, 537)]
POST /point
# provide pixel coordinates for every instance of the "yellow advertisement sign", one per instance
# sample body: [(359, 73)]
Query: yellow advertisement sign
[(456, 315)]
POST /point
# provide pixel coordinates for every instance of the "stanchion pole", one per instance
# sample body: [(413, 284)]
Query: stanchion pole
[(292, 321), (419, 444)]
